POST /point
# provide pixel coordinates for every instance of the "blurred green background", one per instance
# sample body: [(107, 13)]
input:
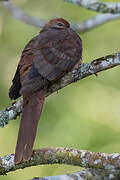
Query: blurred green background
[(84, 115)]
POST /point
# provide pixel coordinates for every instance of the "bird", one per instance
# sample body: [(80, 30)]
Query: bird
[(47, 57)]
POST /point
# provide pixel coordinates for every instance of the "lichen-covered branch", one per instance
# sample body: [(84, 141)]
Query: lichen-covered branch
[(88, 174), (84, 70), (75, 157), (10, 113), (35, 21), (98, 6)]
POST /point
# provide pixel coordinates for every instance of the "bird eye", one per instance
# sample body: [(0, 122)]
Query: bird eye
[(59, 24)]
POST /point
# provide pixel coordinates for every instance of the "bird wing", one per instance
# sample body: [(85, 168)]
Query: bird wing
[(25, 67), (58, 55), (52, 59), (45, 59)]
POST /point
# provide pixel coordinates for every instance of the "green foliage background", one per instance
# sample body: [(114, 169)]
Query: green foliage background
[(84, 115)]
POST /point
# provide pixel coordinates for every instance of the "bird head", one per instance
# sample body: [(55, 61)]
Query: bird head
[(58, 23)]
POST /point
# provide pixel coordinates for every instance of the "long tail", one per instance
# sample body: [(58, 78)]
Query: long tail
[(28, 126)]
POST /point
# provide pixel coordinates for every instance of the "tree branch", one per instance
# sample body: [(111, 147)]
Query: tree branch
[(20, 15), (107, 165), (98, 6), (88, 174), (75, 157), (84, 70), (35, 21), (94, 22)]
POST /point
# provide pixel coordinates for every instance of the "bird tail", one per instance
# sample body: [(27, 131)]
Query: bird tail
[(28, 126)]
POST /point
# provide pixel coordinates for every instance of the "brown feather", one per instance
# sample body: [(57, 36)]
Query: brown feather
[(28, 126), (45, 59), (14, 91)]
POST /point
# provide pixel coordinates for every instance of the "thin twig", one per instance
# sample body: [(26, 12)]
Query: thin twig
[(98, 6), (84, 70), (35, 21), (75, 157), (20, 15), (94, 22)]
